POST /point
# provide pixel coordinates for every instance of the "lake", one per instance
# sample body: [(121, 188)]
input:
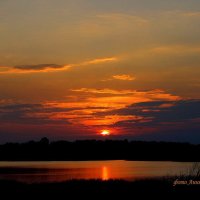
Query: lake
[(36, 172)]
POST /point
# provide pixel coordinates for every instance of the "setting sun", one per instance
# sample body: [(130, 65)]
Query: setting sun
[(105, 132)]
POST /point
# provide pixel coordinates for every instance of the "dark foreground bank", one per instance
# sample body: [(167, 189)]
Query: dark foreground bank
[(95, 189)]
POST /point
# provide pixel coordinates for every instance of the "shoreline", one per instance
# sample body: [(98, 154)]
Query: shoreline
[(96, 160), (98, 188)]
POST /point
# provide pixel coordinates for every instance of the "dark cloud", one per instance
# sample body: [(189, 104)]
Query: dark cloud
[(160, 121), (42, 108), (36, 113), (159, 112), (145, 113), (155, 120), (38, 67), (20, 106), (177, 111), (30, 113)]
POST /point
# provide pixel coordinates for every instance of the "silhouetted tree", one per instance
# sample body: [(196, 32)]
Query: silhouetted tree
[(100, 150), (44, 141)]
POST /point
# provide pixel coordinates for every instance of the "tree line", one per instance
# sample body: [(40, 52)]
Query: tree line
[(44, 150)]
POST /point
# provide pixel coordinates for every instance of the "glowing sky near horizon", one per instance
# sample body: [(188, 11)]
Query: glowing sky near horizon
[(69, 69)]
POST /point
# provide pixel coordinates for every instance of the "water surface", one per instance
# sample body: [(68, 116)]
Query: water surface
[(57, 171)]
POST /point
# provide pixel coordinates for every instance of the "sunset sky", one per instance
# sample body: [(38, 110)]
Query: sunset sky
[(72, 68)]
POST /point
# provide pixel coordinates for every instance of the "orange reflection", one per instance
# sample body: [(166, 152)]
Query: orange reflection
[(105, 174)]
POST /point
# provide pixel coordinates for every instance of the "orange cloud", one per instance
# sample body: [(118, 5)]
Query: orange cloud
[(108, 120), (26, 69), (100, 60), (134, 94), (84, 110), (103, 91), (124, 77)]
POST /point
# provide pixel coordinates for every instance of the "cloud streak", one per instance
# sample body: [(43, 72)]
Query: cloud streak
[(159, 113), (38, 67), (84, 109), (21, 69), (131, 116), (134, 94), (124, 77)]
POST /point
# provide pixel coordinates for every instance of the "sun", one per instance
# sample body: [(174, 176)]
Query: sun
[(105, 132)]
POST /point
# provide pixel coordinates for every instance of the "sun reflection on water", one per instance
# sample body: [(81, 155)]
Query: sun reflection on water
[(105, 174)]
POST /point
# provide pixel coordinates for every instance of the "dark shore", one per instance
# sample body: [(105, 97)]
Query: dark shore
[(43, 150), (91, 150), (95, 189)]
